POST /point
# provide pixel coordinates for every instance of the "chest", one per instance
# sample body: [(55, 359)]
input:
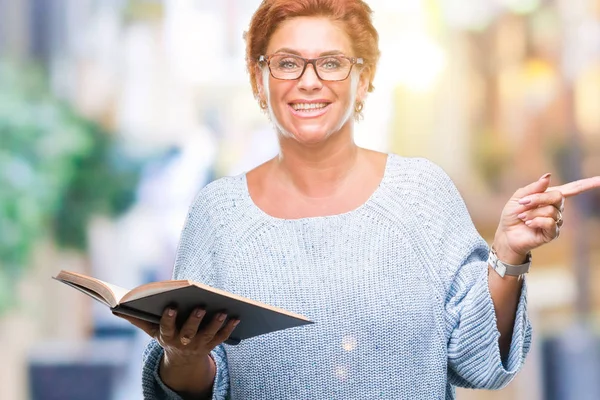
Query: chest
[(322, 271), (286, 203), (365, 289)]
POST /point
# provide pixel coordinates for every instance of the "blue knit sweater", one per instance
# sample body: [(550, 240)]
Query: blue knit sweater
[(397, 288)]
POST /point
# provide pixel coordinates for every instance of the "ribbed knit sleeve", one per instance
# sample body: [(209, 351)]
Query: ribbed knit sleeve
[(474, 358), (473, 350), (194, 256)]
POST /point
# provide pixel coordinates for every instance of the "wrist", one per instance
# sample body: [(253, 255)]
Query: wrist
[(177, 361), (506, 254), (187, 374)]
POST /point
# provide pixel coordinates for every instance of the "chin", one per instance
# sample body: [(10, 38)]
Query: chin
[(309, 133), (312, 137)]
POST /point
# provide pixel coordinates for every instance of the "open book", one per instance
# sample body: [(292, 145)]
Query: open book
[(148, 302)]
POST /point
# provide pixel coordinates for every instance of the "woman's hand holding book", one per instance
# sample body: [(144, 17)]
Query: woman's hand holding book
[(186, 366)]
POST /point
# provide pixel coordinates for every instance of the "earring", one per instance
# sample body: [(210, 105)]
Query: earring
[(358, 107), (262, 104)]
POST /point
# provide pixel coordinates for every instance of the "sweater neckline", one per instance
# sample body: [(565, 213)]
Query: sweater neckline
[(259, 211)]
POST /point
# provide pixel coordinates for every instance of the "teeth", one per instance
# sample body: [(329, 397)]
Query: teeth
[(308, 106)]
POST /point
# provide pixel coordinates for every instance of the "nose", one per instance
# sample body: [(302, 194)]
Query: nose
[(309, 79)]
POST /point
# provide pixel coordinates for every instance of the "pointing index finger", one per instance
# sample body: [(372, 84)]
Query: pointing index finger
[(577, 187)]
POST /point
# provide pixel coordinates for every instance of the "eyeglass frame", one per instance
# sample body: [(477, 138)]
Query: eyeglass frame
[(353, 61)]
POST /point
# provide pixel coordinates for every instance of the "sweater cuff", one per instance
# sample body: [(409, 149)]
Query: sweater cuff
[(221, 382), (474, 349), (521, 338), (502, 372)]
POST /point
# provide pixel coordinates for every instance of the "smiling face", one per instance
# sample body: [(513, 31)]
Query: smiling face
[(309, 109)]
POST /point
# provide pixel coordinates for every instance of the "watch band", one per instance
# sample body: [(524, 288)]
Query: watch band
[(508, 269)]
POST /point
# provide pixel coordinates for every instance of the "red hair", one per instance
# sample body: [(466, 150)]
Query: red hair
[(355, 16)]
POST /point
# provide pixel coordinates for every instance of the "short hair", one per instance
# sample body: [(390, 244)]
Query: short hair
[(355, 16)]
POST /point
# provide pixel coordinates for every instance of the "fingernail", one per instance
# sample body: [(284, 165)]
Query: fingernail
[(525, 200), (236, 323), (522, 216), (545, 176), (221, 317), (171, 312), (528, 223), (200, 313)]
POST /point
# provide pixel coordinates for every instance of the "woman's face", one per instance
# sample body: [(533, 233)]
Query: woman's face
[(331, 103)]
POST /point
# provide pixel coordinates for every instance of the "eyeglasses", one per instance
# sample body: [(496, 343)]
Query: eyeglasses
[(328, 68)]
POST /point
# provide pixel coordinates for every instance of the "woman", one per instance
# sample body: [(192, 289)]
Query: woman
[(378, 250)]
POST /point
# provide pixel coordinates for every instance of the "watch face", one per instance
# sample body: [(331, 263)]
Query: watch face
[(501, 269)]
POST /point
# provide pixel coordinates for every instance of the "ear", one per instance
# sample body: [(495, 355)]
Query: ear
[(260, 86), (363, 84)]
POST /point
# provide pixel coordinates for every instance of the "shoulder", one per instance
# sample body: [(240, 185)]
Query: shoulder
[(217, 196), (441, 221), (419, 175), (419, 194)]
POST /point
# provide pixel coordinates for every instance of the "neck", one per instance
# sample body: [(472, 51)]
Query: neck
[(319, 170)]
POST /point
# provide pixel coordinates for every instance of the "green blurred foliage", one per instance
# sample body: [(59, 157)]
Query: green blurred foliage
[(57, 170)]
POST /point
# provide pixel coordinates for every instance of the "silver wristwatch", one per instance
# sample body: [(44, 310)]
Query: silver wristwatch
[(508, 269)]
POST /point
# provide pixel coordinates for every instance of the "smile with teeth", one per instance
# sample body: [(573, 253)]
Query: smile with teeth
[(308, 106)]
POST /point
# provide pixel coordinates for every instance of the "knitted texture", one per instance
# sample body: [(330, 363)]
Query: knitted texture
[(397, 289)]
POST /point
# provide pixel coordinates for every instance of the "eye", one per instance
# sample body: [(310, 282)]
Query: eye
[(331, 63), (287, 63)]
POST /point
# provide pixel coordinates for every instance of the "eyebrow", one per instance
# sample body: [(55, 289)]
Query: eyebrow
[(325, 53)]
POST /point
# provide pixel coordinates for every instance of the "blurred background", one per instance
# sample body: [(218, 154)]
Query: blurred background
[(114, 113)]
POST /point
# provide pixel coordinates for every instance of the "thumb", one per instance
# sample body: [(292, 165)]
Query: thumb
[(538, 186)]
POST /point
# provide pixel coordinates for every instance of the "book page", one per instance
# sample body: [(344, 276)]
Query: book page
[(117, 291), (87, 291), (109, 293)]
